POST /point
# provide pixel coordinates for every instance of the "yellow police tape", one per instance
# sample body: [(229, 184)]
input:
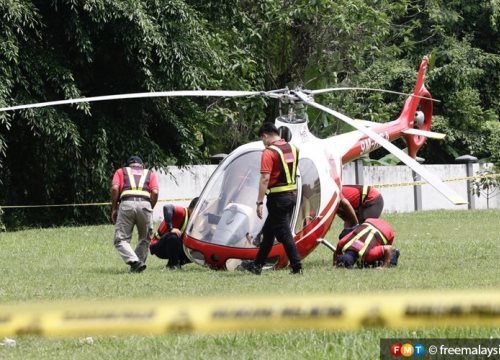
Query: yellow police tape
[(326, 312), (412, 183), (81, 204), (417, 183)]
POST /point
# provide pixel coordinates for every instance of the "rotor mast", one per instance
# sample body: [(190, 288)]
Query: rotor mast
[(292, 121)]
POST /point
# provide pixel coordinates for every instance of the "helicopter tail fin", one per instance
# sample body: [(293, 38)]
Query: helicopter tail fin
[(417, 113)]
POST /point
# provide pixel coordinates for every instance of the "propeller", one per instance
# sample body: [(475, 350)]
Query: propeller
[(302, 95), (322, 91), (276, 94), (206, 93), (414, 165)]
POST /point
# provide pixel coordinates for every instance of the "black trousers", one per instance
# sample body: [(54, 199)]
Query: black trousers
[(169, 247), (280, 208)]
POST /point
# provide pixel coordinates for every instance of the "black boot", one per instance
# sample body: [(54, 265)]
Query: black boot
[(252, 267), (296, 269), (137, 266), (173, 265)]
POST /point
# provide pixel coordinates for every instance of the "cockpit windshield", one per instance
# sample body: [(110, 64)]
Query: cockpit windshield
[(225, 214)]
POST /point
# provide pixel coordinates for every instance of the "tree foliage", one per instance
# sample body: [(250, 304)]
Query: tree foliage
[(58, 49), (487, 185)]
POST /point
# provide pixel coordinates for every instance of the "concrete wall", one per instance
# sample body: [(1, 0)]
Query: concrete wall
[(400, 198), (179, 185)]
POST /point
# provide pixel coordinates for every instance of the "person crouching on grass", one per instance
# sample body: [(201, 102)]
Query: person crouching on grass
[(368, 245), (166, 242)]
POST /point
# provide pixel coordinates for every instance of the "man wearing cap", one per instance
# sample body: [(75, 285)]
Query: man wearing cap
[(278, 180), (369, 244), (134, 193)]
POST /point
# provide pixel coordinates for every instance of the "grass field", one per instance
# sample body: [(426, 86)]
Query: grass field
[(439, 250)]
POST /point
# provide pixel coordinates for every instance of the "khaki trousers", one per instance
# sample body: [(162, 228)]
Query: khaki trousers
[(133, 212)]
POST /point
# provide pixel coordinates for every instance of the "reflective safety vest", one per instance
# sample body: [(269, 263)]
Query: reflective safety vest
[(163, 228), (371, 233), (135, 185), (289, 157), (364, 194)]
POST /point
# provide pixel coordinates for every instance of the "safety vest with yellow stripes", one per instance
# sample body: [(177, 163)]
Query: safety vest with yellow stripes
[(163, 228), (364, 194), (366, 237), (289, 156), (135, 184)]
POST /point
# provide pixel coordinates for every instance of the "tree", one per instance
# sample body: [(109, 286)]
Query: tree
[(63, 49), (487, 185)]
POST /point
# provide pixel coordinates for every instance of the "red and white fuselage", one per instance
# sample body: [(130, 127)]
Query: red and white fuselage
[(224, 228)]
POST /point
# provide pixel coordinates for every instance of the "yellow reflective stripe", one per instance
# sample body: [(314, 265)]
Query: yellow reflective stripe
[(134, 189), (291, 183), (281, 188), (367, 243), (285, 165), (349, 243), (364, 193), (384, 240), (294, 167), (131, 179), (135, 193), (143, 179), (185, 221), (373, 230)]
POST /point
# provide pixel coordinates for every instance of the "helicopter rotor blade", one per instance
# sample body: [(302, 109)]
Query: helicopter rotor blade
[(322, 91), (206, 93), (414, 165)]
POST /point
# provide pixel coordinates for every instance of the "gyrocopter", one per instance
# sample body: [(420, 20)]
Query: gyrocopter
[(224, 228)]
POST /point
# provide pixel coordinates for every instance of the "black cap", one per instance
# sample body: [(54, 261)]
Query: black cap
[(268, 128), (134, 159)]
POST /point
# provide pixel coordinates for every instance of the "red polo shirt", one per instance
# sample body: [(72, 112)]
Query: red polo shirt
[(177, 221), (353, 194), (270, 163)]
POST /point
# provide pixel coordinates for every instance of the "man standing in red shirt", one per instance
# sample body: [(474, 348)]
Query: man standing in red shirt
[(278, 180), (134, 193)]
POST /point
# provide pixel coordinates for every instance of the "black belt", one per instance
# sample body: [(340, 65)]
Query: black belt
[(281, 193), (134, 198)]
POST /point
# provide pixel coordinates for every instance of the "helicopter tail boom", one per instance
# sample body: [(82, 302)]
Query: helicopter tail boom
[(417, 112)]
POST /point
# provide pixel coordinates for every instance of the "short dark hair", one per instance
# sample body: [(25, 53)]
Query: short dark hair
[(268, 128), (346, 259), (193, 203)]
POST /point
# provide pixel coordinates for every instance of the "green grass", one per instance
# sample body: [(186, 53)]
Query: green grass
[(439, 250)]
